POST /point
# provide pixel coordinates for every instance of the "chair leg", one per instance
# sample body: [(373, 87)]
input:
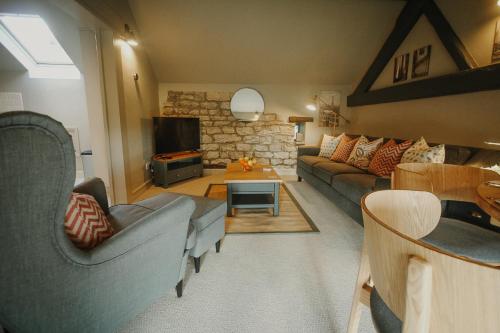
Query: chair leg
[(197, 264), (178, 288), (299, 178), (217, 246), (363, 278)]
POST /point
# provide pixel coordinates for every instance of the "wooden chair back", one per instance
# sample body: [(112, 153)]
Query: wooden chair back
[(429, 290), (446, 181)]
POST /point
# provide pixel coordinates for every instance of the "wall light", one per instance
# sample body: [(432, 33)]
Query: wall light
[(311, 107), (498, 3), (491, 143), (129, 36)]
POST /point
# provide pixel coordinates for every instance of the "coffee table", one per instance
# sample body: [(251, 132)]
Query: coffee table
[(258, 188)]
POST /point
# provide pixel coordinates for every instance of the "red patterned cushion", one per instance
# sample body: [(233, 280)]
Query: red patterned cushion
[(85, 223), (344, 149), (387, 157)]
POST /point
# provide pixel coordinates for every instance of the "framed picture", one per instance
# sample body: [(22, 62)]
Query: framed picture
[(421, 61), (495, 57), (401, 64)]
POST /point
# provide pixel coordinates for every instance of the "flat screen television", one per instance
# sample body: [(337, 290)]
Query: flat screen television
[(176, 134)]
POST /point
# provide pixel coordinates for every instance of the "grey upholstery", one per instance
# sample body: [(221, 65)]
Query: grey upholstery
[(49, 285), (306, 162), (384, 320), (207, 220), (97, 189), (308, 150), (354, 186), (465, 239), (326, 170)]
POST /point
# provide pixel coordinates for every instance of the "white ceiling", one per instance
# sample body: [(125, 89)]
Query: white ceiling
[(8, 62), (263, 41)]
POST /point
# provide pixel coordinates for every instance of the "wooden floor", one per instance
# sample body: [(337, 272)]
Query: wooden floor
[(291, 218)]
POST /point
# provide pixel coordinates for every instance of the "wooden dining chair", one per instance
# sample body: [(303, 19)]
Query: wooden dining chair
[(417, 287), (447, 182)]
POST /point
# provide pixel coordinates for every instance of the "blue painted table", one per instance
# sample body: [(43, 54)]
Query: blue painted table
[(258, 188)]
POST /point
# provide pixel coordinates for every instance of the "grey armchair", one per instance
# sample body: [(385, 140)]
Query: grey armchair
[(46, 283)]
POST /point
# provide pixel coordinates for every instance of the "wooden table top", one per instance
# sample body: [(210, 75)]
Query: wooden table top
[(235, 174), (487, 194)]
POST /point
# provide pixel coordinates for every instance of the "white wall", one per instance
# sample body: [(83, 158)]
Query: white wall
[(63, 100), (284, 100)]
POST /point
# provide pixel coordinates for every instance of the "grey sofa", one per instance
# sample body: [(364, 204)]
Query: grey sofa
[(46, 283), (345, 185)]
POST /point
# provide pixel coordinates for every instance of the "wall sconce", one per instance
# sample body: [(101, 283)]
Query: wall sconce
[(129, 36), (316, 100), (498, 3)]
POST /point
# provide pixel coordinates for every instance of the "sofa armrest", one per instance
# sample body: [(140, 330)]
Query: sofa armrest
[(96, 188), (170, 222), (382, 183), (308, 150)]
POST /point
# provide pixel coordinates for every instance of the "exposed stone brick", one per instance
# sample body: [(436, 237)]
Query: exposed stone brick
[(223, 138), (227, 129), (244, 130), (243, 147)]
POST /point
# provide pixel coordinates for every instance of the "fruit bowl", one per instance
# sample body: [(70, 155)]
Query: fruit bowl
[(247, 163)]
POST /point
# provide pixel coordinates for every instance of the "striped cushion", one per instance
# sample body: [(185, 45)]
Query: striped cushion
[(85, 222), (387, 157), (344, 149)]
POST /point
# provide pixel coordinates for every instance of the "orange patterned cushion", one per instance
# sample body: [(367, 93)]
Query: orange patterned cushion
[(85, 223), (344, 149), (387, 157)]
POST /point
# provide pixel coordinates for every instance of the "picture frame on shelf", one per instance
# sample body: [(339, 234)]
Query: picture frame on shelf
[(401, 64), (421, 62)]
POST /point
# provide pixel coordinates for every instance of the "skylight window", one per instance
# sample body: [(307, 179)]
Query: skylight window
[(32, 42)]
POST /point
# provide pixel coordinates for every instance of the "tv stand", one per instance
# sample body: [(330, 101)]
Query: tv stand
[(174, 167)]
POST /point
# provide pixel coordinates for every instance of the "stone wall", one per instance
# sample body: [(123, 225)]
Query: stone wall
[(225, 139)]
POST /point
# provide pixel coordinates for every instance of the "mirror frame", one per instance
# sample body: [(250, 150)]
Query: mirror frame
[(255, 90)]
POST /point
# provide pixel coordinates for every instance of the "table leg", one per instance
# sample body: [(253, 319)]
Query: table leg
[(276, 210), (229, 199)]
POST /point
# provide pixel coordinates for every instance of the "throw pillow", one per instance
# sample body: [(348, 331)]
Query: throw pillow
[(387, 157), (420, 152), (85, 222), (363, 153), (328, 145), (409, 154), (344, 149)]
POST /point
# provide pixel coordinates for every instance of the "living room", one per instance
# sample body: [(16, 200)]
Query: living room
[(278, 166)]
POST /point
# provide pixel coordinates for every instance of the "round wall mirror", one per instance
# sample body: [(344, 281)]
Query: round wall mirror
[(247, 104)]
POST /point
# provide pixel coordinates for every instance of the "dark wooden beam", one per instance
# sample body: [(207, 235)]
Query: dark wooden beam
[(474, 80), (457, 50), (405, 22)]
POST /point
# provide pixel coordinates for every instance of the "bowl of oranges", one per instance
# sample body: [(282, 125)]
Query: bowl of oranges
[(247, 163)]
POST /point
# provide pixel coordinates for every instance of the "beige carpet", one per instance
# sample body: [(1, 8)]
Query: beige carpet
[(291, 218)]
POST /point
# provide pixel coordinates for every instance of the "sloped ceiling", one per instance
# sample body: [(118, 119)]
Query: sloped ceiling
[(8, 62), (263, 41)]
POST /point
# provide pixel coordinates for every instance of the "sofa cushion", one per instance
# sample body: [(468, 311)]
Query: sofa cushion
[(383, 318), (484, 158), (420, 152), (344, 149), (306, 162), (122, 216), (456, 155), (158, 201), (328, 145), (363, 153), (207, 211), (325, 170), (354, 186), (465, 239), (85, 222), (387, 157)]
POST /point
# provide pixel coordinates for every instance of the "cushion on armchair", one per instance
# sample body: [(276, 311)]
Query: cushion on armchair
[(85, 222)]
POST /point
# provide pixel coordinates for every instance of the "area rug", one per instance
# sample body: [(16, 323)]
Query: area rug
[(291, 219)]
